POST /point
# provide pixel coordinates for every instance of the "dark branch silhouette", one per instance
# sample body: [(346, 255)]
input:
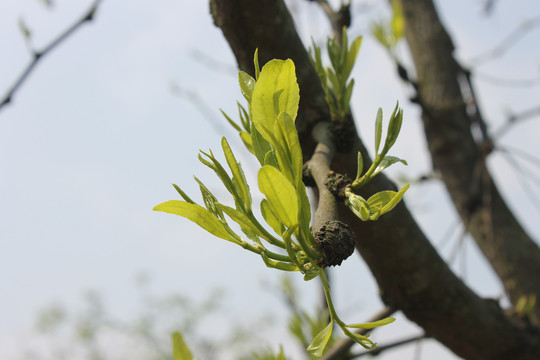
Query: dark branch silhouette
[(38, 55), (510, 40), (381, 348)]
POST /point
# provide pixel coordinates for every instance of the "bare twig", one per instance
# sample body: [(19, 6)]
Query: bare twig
[(379, 349), (509, 41), (340, 349), (515, 119), (494, 80), (38, 55), (212, 63), (200, 104), (338, 19), (523, 178)]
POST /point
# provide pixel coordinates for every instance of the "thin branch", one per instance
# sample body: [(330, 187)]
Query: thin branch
[(319, 167), (494, 80), (38, 55), (338, 19), (379, 349), (509, 41), (212, 63), (533, 160), (198, 102), (341, 348), (515, 119), (523, 177)]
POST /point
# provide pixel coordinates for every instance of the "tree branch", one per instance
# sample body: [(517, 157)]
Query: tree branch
[(460, 158), (381, 348), (38, 55), (411, 275), (341, 349), (509, 41)]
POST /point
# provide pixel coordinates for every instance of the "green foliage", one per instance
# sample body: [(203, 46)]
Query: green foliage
[(389, 32), (180, 349), (335, 79), (384, 201), (269, 133)]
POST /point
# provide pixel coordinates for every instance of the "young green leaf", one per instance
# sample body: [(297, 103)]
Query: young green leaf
[(359, 206), (280, 265), (395, 200), (280, 193), (394, 128), (261, 147), (374, 324), (378, 130), (360, 165), (180, 349), (386, 162), (256, 63), (248, 142), (289, 136), (233, 124), (239, 179), (198, 215), (398, 21), (276, 91), (319, 343), (183, 194), (240, 218), (270, 218), (379, 200), (244, 117), (351, 56), (247, 84)]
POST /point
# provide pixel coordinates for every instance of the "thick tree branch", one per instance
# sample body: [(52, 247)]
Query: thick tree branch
[(411, 275), (514, 256), (319, 167), (38, 55)]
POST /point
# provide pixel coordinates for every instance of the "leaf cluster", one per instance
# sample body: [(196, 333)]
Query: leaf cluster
[(268, 131), (384, 201), (335, 79), (389, 32)]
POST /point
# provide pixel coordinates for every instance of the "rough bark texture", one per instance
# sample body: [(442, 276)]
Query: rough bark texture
[(410, 273), (514, 256)]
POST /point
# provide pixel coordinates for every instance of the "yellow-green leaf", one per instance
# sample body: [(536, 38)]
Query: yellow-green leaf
[(198, 215), (374, 324), (247, 84), (180, 349), (280, 193), (270, 218), (276, 91), (239, 180), (318, 344)]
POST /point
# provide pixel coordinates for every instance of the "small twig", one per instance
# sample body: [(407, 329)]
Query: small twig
[(200, 104), (213, 64), (509, 41), (379, 349), (341, 348), (515, 119), (494, 80), (38, 55), (338, 19)]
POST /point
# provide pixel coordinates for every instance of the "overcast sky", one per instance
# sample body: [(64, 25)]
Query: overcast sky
[(94, 138)]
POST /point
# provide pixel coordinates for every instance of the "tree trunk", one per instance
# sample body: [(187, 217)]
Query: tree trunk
[(514, 256), (410, 273)]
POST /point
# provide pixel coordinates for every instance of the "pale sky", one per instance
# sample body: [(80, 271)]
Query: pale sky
[(94, 138)]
